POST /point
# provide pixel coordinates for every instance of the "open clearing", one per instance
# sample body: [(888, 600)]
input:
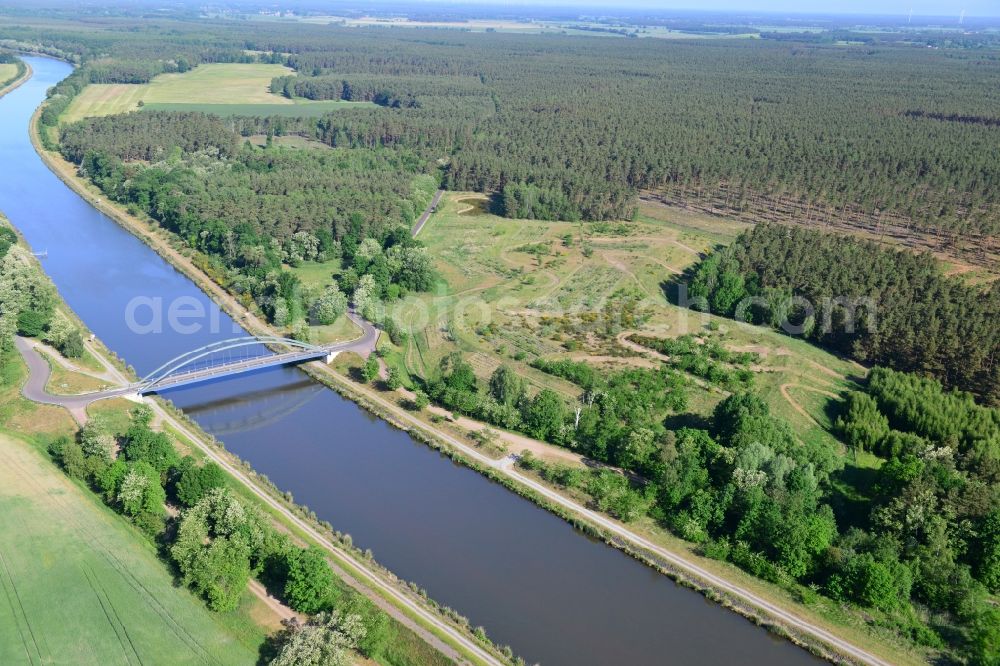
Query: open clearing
[(104, 99), (218, 84), (80, 586), (222, 89), (514, 289)]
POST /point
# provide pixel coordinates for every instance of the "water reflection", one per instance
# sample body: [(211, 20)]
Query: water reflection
[(246, 412)]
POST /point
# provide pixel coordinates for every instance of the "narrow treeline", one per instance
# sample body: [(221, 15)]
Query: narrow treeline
[(879, 306), (28, 301), (707, 359), (389, 91), (618, 421)]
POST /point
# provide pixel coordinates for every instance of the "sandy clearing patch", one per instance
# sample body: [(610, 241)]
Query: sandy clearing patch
[(760, 350), (622, 339)]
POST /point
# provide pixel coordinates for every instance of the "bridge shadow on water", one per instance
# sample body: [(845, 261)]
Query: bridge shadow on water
[(255, 409)]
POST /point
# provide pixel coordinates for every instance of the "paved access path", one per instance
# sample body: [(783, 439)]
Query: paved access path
[(39, 372), (427, 213), (38, 377)]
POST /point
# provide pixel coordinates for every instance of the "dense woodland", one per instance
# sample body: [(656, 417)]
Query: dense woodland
[(580, 125), (879, 306), (934, 514), (256, 211)]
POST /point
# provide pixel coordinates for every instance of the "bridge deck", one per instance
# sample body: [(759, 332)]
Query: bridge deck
[(238, 367), (170, 378)]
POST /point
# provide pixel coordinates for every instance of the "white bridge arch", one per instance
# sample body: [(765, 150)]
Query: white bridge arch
[(179, 371)]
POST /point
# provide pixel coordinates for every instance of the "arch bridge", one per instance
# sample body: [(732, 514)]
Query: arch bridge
[(223, 359)]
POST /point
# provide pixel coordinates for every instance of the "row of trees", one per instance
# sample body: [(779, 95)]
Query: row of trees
[(618, 418), (879, 306), (27, 298), (704, 358), (382, 91), (136, 471)]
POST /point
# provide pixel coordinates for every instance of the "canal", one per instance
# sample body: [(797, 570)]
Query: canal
[(533, 581)]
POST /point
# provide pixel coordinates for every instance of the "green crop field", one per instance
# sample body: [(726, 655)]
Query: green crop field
[(226, 83), (7, 72), (222, 89), (80, 586), (104, 99)]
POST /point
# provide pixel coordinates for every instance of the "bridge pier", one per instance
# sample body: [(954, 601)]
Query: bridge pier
[(135, 397), (330, 357)]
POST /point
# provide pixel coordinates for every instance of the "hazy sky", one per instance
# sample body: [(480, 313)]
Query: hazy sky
[(901, 7)]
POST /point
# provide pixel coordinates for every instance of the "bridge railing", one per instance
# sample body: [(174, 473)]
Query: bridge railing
[(172, 367)]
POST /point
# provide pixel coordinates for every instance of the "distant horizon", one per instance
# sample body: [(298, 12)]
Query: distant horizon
[(885, 8)]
